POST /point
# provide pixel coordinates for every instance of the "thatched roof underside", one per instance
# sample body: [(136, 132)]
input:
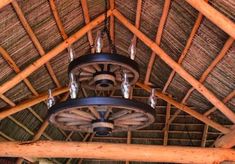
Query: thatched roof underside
[(207, 43)]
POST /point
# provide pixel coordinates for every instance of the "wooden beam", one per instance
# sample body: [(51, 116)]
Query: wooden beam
[(218, 58), (226, 141), (214, 16), (29, 103), (112, 26), (204, 135), (51, 54), (87, 20), (174, 65), (148, 153), (4, 3), (186, 48), (137, 19), (34, 39), (158, 38), (225, 100), (186, 109), (167, 125)]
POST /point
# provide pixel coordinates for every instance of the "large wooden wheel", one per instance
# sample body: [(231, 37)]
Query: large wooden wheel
[(103, 71), (101, 115)]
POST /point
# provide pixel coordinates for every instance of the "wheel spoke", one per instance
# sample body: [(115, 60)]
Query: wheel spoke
[(89, 69), (83, 114), (118, 114), (130, 116), (77, 123)]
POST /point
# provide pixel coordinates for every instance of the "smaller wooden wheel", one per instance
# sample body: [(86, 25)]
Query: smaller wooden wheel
[(101, 115), (103, 71)]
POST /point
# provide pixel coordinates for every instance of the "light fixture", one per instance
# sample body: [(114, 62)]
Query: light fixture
[(132, 50), (102, 71), (152, 100), (50, 100)]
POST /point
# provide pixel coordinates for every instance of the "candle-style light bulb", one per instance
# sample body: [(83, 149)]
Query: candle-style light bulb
[(125, 87), (152, 100), (50, 100), (73, 86), (71, 53), (132, 50), (98, 42)]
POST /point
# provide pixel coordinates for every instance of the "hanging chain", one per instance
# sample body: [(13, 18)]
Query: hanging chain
[(106, 29)]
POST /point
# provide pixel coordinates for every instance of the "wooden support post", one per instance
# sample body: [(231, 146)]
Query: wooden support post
[(218, 58), (148, 153), (34, 39), (186, 109), (174, 65), (167, 125), (51, 54), (214, 16), (226, 141), (158, 38), (204, 136)]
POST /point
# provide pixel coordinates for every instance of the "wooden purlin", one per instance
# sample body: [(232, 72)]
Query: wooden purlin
[(158, 38), (174, 65), (206, 73), (34, 39), (166, 131), (204, 136), (136, 152), (214, 16)]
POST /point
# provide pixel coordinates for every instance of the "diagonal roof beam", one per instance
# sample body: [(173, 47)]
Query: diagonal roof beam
[(186, 48), (137, 19), (174, 65), (112, 26), (28, 103), (218, 58), (51, 54), (186, 109), (214, 16), (87, 20), (226, 141), (158, 38), (4, 3)]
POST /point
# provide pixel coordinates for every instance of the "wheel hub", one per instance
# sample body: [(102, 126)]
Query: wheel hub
[(104, 80)]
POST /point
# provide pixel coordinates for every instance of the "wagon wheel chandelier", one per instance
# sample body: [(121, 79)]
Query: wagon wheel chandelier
[(102, 71)]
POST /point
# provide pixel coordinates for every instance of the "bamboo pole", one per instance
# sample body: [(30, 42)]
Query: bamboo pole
[(204, 135), (161, 25), (174, 65), (226, 141), (187, 109), (214, 16), (34, 39), (148, 153), (54, 52), (28, 103)]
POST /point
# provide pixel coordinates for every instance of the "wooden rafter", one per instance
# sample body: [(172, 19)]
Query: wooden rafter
[(87, 20), (137, 19), (174, 65), (225, 100), (55, 51), (148, 153), (214, 16), (218, 58), (166, 131), (158, 38), (186, 109), (34, 39), (112, 26), (204, 135), (28, 103), (186, 48)]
